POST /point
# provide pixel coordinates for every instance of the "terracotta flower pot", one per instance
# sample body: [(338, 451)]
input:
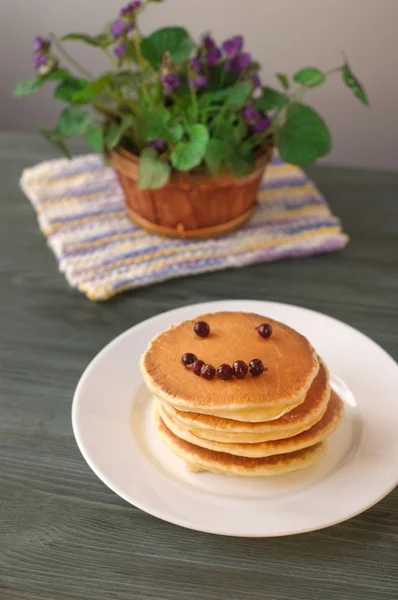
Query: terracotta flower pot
[(190, 205)]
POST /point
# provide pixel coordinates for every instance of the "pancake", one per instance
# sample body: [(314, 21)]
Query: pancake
[(317, 433), (292, 366), (202, 459), (301, 418)]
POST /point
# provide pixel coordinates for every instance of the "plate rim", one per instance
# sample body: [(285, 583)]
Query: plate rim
[(222, 305)]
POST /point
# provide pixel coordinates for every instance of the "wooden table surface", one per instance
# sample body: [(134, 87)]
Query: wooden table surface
[(63, 534)]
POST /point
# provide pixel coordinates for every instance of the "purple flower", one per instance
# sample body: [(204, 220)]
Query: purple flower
[(238, 63), (118, 28), (158, 144), (170, 82), (209, 42), (38, 60), (129, 9), (261, 125), (199, 82), (40, 44), (119, 50), (233, 46), (195, 64), (255, 79), (250, 113), (213, 56), (241, 61)]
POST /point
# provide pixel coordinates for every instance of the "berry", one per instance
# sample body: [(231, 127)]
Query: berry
[(256, 367), (188, 358), (202, 329), (265, 330), (240, 369), (224, 372), (207, 371), (197, 366)]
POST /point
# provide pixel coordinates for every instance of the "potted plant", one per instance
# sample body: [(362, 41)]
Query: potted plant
[(188, 127)]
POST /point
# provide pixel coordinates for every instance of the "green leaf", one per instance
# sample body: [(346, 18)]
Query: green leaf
[(66, 90), (58, 74), (115, 131), (199, 134), (130, 81), (98, 85), (84, 96), (113, 135), (270, 99), (28, 86), (231, 128), (55, 139), (239, 130), (304, 136), (102, 40), (236, 95), (174, 40), (240, 161), (188, 113), (216, 152), (311, 77), (174, 133), (187, 155), (153, 123), (352, 82), (94, 137), (233, 96), (284, 80), (153, 173), (73, 121)]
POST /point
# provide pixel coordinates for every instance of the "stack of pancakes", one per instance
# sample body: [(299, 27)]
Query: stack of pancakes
[(273, 423)]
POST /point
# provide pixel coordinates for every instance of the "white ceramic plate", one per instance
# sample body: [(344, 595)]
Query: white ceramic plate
[(113, 427)]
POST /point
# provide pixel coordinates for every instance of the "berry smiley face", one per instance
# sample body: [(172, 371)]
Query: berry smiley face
[(225, 372)]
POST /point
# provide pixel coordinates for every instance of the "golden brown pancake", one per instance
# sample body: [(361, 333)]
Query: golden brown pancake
[(291, 361), (317, 433), (203, 459), (301, 418)]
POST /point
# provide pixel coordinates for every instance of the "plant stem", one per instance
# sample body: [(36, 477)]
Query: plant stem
[(71, 60), (105, 109), (113, 60), (258, 139), (194, 100), (218, 119), (141, 60), (333, 71), (222, 78), (305, 87), (301, 89)]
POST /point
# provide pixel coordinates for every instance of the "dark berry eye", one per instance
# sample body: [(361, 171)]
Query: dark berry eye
[(256, 367), (265, 330), (240, 369), (197, 366), (188, 358), (208, 371), (202, 329), (224, 372)]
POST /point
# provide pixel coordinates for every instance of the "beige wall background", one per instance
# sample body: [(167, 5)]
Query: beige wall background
[(284, 35)]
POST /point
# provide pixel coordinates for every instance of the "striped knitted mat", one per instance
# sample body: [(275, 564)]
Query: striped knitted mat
[(80, 210)]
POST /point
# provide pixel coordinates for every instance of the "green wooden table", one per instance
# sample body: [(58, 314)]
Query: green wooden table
[(63, 534)]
